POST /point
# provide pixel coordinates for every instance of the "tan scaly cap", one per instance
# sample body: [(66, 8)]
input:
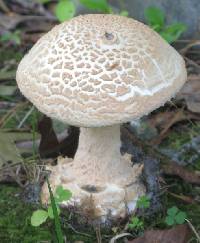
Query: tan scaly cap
[(98, 70)]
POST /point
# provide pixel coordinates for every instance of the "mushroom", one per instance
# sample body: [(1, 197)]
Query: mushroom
[(98, 71)]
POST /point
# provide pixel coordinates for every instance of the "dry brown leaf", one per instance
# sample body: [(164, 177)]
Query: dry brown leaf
[(165, 120), (49, 140), (178, 170), (175, 117), (178, 234), (12, 21), (50, 146), (191, 93), (189, 46), (160, 119), (4, 7)]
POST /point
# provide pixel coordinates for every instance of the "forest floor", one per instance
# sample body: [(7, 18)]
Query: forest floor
[(167, 142)]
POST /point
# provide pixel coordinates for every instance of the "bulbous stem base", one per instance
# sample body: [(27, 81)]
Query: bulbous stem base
[(100, 178)]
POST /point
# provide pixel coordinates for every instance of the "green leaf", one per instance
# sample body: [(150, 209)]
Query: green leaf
[(44, 1), (180, 217), (136, 223), (50, 212), (12, 36), (98, 5), (172, 32), (172, 211), (65, 10), (56, 217), (124, 13), (167, 36), (8, 150), (38, 217), (169, 220), (131, 226), (143, 202), (62, 194), (7, 75), (155, 17), (176, 29), (7, 90)]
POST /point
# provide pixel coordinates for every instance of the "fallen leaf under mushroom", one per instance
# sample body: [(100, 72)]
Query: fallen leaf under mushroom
[(178, 234)]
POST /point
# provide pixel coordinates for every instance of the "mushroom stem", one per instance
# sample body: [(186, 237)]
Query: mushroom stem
[(99, 177), (98, 155)]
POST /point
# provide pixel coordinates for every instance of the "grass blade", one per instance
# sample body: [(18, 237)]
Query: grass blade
[(56, 217)]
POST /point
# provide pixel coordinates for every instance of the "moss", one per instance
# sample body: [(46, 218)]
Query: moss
[(15, 224), (177, 138), (180, 135), (15, 219), (9, 54)]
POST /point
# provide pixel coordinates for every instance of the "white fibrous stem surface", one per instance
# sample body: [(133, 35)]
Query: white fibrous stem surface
[(99, 176)]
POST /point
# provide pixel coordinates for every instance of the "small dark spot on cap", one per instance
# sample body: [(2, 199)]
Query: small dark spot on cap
[(109, 36)]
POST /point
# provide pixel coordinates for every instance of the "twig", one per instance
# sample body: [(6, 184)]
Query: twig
[(175, 169), (169, 166), (4, 7), (75, 231), (190, 45), (178, 116), (183, 198), (193, 229), (11, 113), (25, 117), (192, 62), (113, 240), (98, 234)]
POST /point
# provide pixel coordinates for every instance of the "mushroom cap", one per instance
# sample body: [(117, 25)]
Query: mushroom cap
[(99, 70)]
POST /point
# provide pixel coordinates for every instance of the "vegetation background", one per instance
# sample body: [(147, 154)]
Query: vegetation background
[(167, 141)]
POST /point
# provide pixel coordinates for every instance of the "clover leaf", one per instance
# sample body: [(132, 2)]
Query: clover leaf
[(175, 216)]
